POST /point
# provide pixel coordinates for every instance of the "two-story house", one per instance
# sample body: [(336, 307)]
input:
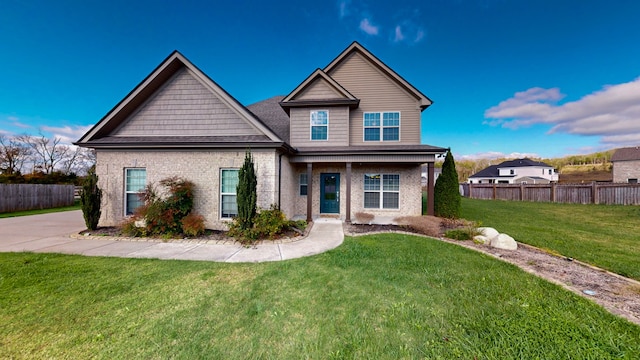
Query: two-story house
[(626, 165), (519, 171), (346, 140)]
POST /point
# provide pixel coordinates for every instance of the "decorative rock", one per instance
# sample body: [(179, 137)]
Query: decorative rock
[(488, 232), (481, 239), (504, 241)]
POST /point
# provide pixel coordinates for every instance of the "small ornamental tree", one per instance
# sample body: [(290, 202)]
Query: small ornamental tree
[(90, 197), (246, 193), (447, 192)]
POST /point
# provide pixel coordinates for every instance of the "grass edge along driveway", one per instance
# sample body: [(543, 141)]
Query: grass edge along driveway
[(387, 296), (602, 235)]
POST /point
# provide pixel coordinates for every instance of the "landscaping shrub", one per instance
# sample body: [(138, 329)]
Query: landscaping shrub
[(246, 193), (163, 214), (90, 197), (266, 224), (193, 224), (446, 192), (427, 225), (467, 232)]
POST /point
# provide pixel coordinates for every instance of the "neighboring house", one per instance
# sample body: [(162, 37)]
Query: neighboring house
[(519, 171), (425, 174), (626, 165), (346, 140)]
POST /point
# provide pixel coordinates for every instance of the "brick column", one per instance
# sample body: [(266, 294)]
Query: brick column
[(430, 189), (348, 205)]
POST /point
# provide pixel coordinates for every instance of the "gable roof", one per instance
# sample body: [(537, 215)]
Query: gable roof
[(100, 134), (522, 163), (626, 154), (491, 171), (272, 115), (355, 47), (344, 97)]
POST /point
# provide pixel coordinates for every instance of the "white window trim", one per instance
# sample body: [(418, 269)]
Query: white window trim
[(382, 127), (311, 125), (381, 192), (226, 193), (300, 184), (126, 192)]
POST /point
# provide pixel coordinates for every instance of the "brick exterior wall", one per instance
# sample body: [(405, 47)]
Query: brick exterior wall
[(203, 169), (625, 170), (410, 190), (200, 167)]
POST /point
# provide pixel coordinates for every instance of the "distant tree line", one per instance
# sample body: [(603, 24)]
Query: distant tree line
[(42, 160)]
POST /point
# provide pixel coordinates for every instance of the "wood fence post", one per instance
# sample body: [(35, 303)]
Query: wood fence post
[(553, 192), (594, 192), (521, 192), (494, 191)]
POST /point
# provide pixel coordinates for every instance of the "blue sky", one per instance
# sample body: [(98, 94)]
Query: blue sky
[(507, 77)]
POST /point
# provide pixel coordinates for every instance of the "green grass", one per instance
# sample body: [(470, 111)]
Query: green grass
[(388, 296), (75, 206), (603, 235)]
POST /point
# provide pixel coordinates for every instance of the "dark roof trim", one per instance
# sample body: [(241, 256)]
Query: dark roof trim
[(325, 102), (373, 150)]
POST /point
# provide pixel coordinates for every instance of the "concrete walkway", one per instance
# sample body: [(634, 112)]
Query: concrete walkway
[(50, 233)]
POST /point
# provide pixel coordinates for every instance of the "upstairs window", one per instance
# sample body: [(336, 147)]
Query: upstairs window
[(135, 182), (320, 125), (382, 126)]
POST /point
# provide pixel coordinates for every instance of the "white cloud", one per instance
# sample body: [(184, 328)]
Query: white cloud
[(613, 113), (402, 26), (368, 27), (492, 155), (67, 134), (399, 36), (343, 8)]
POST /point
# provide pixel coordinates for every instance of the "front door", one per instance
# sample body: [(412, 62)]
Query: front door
[(329, 193)]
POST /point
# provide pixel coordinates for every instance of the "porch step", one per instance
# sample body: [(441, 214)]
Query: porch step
[(330, 216)]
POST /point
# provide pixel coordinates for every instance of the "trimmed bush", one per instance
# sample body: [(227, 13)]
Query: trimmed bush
[(246, 193), (193, 224), (447, 192), (90, 197), (267, 224)]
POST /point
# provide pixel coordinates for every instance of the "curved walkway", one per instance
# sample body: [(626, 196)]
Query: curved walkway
[(50, 233)]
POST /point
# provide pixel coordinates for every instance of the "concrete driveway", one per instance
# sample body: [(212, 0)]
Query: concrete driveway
[(51, 233)]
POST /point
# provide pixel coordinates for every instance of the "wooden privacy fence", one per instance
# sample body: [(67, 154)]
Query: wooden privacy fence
[(594, 193), (18, 197)]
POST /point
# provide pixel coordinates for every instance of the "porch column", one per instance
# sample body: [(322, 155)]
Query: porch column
[(309, 191), (348, 216), (430, 189)]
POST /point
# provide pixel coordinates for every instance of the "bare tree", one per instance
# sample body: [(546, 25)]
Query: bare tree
[(47, 153), (77, 160), (13, 155)]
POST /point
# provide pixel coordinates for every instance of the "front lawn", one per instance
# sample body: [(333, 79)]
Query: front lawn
[(75, 206), (603, 235), (378, 296)]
